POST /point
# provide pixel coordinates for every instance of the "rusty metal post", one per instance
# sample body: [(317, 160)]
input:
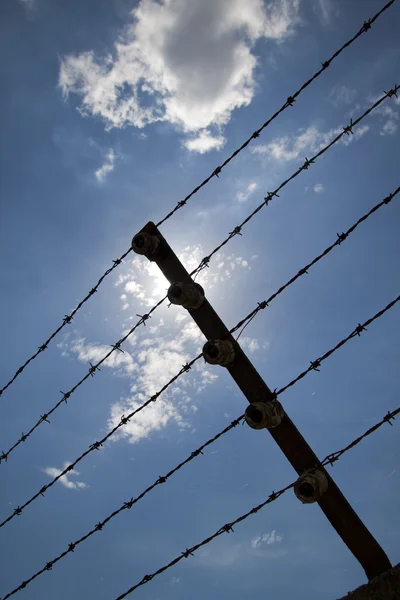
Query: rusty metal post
[(150, 243)]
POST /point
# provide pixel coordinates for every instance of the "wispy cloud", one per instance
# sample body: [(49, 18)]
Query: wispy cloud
[(205, 142), (243, 196), (107, 167), (327, 10), (64, 480), (309, 140), (155, 353), (319, 188), (29, 4), (341, 95), (192, 60), (266, 538)]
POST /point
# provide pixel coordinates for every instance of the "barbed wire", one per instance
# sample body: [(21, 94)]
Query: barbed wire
[(288, 103), (66, 321), (315, 364), (185, 368), (228, 527), (341, 237), (330, 459), (347, 130), (93, 369)]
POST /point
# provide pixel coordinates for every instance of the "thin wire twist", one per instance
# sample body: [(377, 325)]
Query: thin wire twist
[(186, 368), (204, 263), (330, 459), (228, 527), (289, 102), (341, 237)]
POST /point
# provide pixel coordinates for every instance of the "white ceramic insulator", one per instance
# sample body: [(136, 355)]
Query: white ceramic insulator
[(311, 485), (188, 295), (219, 352), (261, 415)]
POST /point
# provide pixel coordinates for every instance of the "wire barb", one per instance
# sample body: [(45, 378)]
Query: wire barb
[(288, 102)]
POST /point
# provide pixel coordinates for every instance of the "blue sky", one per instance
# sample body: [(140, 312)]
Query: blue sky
[(111, 112)]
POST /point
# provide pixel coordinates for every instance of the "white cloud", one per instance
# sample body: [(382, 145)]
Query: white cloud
[(64, 480), (29, 4), (305, 142), (204, 142), (186, 62), (107, 167), (319, 188), (327, 10), (389, 128), (243, 196), (266, 538), (250, 344), (341, 95)]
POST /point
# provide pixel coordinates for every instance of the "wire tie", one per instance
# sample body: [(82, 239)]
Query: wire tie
[(367, 25), (93, 369), (196, 453), (236, 231), (388, 418), (117, 346), (96, 446), (66, 395), (349, 128), (307, 163), (359, 329), (315, 364), (217, 171), (143, 318), (269, 197)]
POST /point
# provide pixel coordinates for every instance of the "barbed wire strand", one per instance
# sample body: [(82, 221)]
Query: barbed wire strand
[(341, 237), (228, 527), (185, 368), (66, 321), (330, 459), (93, 369), (289, 102)]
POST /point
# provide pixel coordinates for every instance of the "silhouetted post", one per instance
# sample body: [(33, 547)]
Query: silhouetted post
[(264, 412)]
